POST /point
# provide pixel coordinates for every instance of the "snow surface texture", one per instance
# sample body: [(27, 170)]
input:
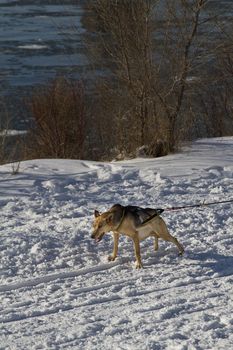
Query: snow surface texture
[(58, 291)]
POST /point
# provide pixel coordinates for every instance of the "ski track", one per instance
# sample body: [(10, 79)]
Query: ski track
[(59, 292)]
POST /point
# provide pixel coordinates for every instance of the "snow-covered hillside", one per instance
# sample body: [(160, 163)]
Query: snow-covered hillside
[(58, 291)]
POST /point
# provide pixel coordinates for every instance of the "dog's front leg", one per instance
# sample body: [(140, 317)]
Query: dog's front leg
[(156, 244), (115, 247), (137, 252)]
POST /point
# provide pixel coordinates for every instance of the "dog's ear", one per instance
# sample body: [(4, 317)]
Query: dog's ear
[(96, 213), (109, 219)]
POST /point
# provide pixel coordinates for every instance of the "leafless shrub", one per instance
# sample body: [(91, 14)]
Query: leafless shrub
[(15, 167), (216, 97), (4, 127), (58, 110), (10, 148)]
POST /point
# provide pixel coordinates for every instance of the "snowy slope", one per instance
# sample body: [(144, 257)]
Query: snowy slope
[(57, 289)]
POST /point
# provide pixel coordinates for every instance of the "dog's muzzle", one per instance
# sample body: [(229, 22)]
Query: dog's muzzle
[(96, 237)]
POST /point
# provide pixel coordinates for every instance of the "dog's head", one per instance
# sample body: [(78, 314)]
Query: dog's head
[(101, 225)]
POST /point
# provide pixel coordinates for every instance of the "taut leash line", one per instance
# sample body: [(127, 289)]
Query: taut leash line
[(161, 210), (197, 205)]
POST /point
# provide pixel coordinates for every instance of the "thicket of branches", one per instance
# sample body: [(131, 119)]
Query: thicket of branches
[(216, 100), (161, 85), (59, 115), (166, 76)]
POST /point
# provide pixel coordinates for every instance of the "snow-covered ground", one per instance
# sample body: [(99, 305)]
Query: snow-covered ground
[(9, 132), (58, 291)]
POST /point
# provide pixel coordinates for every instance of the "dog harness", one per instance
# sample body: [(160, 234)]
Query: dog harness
[(142, 215)]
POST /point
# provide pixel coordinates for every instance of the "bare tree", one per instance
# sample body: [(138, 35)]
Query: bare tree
[(126, 28), (149, 47), (183, 19)]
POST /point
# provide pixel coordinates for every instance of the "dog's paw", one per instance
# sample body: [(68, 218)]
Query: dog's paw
[(139, 265), (181, 253), (111, 258)]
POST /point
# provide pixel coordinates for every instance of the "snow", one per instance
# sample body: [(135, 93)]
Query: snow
[(33, 47), (8, 132), (58, 291)]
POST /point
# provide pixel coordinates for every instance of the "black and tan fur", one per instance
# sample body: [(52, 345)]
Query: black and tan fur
[(134, 222)]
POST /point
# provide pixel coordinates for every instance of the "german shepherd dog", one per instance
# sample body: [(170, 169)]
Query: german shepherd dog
[(135, 222)]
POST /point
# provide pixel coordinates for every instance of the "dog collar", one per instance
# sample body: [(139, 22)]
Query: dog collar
[(122, 218)]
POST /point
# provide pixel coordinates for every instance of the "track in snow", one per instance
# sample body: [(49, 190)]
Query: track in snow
[(59, 292)]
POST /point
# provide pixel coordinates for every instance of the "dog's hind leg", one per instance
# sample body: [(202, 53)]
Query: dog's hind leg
[(163, 233), (115, 247), (156, 242), (177, 243)]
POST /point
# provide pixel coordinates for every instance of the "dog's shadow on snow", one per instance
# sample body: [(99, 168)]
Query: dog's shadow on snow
[(218, 263)]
